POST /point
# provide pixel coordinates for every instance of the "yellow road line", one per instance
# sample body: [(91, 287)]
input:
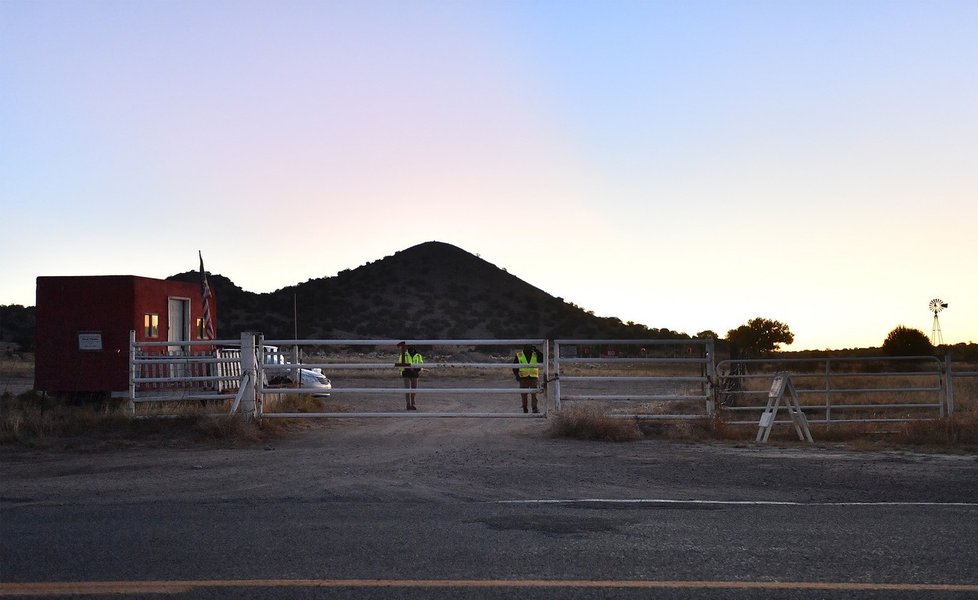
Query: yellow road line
[(174, 587)]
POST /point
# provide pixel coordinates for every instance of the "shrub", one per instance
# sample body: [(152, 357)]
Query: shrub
[(28, 420), (959, 430), (906, 341), (589, 423), (227, 428)]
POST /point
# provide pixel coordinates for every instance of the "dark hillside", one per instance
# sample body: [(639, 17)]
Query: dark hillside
[(17, 325), (433, 290), (429, 291)]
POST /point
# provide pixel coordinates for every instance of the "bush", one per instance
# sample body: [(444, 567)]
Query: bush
[(906, 341), (227, 428), (959, 430), (588, 423), (29, 420)]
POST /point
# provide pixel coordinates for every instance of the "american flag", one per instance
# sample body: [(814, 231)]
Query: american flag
[(210, 332)]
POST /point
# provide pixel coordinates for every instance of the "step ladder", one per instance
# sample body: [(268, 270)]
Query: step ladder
[(783, 389)]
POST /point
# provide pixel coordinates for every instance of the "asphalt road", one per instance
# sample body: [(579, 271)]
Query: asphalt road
[(486, 509)]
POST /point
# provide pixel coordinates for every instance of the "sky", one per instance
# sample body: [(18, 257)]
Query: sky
[(681, 164)]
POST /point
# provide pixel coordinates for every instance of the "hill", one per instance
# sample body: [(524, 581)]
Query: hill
[(17, 325), (429, 291)]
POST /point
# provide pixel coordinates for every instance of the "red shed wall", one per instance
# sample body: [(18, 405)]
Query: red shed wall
[(111, 305), (151, 296)]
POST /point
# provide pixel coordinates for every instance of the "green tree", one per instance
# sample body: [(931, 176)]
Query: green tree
[(906, 341), (759, 337)]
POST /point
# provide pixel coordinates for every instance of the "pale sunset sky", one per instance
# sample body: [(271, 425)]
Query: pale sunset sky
[(682, 164)]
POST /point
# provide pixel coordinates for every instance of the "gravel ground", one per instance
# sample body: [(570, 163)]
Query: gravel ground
[(487, 459)]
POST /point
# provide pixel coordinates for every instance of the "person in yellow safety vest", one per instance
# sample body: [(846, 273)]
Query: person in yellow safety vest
[(409, 375), (528, 375)]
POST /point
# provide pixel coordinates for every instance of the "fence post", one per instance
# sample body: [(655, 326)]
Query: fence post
[(948, 385), (132, 373), (556, 376), (711, 371), (297, 372), (248, 368), (828, 391), (547, 406)]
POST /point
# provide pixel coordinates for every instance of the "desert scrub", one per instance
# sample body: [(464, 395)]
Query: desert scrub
[(301, 403), (31, 420), (588, 423), (232, 428), (958, 430)]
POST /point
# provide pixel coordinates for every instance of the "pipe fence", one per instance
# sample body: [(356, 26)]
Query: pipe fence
[(642, 379), (962, 377), (183, 371), (460, 378), (840, 390)]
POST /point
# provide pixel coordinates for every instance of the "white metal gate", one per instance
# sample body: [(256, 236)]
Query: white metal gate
[(645, 379), (840, 389), (173, 372), (461, 378)]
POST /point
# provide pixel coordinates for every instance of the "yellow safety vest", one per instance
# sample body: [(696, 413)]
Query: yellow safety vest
[(533, 360), (416, 359)]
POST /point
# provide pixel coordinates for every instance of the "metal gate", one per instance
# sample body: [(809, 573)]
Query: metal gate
[(174, 372), (840, 390), (644, 379), (460, 378)]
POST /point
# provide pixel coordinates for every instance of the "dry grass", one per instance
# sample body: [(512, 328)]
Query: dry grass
[(292, 403), (231, 428), (959, 433), (28, 417), (29, 420), (889, 405), (17, 367), (589, 423), (960, 430), (631, 370), (811, 389), (966, 394)]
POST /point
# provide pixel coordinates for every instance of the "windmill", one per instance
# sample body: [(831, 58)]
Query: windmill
[(936, 305)]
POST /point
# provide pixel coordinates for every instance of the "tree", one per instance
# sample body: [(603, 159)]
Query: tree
[(906, 341), (707, 333), (759, 337)]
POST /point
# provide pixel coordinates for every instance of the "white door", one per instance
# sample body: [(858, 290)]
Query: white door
[(178, 330)]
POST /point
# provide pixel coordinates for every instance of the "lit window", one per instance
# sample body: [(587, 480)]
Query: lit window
[(200, 328), (151, 325)]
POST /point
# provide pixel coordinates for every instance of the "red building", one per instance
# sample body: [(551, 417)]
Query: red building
[(83, 325)]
